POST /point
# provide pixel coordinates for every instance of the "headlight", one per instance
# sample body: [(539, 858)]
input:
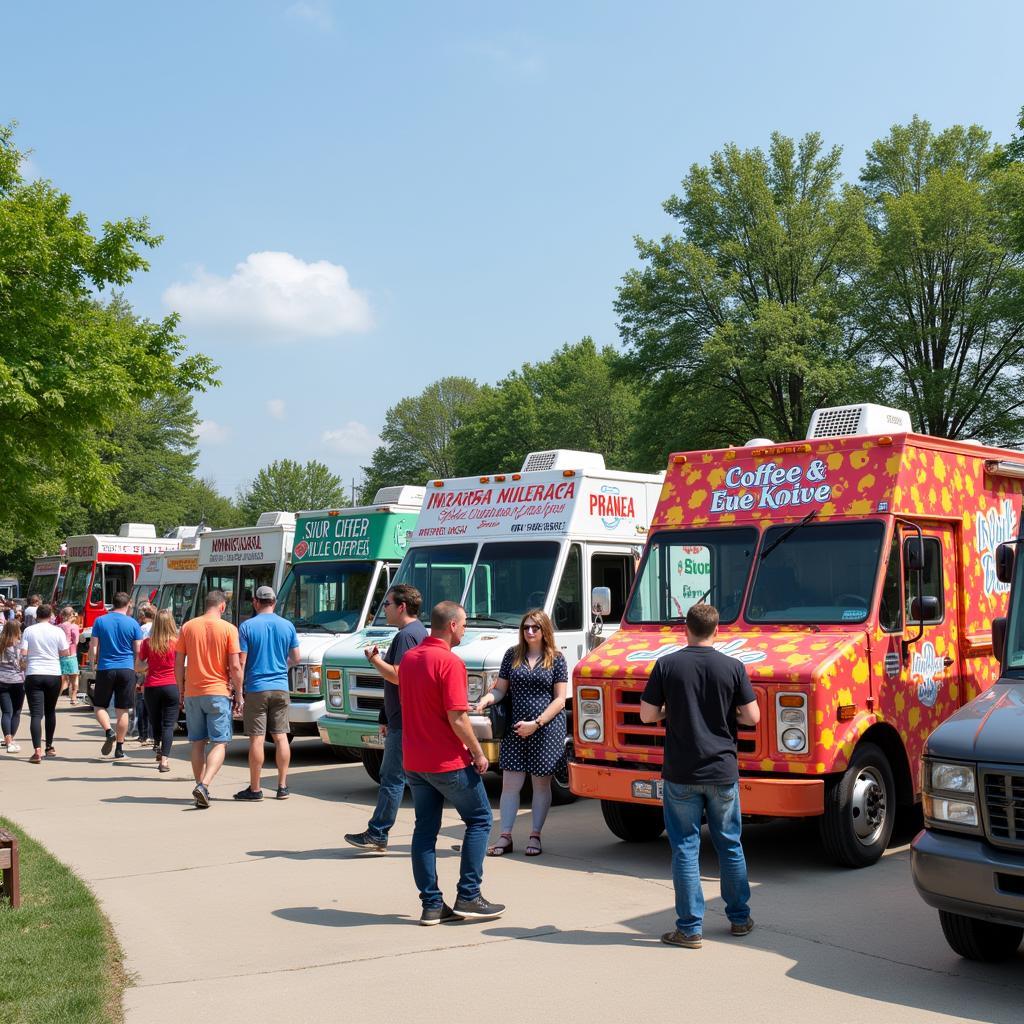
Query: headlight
[(314, 676), (336, 700), (794, 739), (334, 680), (952, 778), (955, 812), (791, 722), (791, 716), (591, 729), (478, 683)]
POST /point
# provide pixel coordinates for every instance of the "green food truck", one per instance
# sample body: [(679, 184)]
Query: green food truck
[(343, 560)]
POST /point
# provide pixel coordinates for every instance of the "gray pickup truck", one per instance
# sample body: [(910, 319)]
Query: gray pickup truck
[(968, 862)]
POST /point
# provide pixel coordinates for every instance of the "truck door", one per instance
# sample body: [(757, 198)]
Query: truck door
[(570, 604)]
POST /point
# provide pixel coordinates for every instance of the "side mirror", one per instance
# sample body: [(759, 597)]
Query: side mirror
[(914, 554), (601, 601), (1004, 563), (924, 609), (999, 637)]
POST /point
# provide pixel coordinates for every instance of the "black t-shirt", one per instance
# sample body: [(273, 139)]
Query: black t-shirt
[(406, 639), (701, 689)]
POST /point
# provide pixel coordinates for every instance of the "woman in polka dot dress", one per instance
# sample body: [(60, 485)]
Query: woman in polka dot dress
[(535, 676)]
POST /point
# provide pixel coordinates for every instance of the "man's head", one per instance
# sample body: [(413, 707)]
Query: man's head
[(448, 622), (216, 603), (402, 604), (121, 601), (264, 599), (43, 612), (148, 612), (35, 600), (701, 624)]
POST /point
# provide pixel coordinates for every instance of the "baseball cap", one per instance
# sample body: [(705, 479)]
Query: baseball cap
[(265, 594)]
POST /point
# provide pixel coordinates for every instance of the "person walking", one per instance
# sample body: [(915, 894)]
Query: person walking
[(139, 724), (535, 676), (114, 646), (401, 609), (31, 610), (269, 645), (45, 645), (702, 694), (69, 665), (159, 687), (12, 683), (207, 671), (443, 760)]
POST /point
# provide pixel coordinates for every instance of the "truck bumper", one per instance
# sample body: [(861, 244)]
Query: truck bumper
[(964, 875), (340, 732), (303, 716), (774, 798)]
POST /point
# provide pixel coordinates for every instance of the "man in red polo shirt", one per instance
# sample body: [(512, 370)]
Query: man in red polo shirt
[(443, 760)]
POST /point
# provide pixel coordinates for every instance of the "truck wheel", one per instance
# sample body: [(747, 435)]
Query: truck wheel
[(372, 760), (561, 794), (633, 823), (980, 940), (859, 810)]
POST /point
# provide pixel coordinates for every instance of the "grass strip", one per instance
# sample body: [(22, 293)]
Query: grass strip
[(60, 962)]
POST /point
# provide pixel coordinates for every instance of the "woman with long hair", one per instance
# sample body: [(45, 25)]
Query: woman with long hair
[(160, 690), (69, 665), (12, 682), (535, 676)]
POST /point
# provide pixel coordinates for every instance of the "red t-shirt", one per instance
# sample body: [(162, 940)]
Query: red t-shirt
[(160, 666), (432, 682)]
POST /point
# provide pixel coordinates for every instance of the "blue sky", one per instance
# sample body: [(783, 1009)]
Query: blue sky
[(360, 198)]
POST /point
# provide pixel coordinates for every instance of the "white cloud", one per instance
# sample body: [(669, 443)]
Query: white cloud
[(353, 438), (211, 432), (274, 295), (276, 408), (317, 12)]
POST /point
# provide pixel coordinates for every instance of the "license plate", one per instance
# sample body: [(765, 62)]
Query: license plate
[(648, 789), (373, 739)]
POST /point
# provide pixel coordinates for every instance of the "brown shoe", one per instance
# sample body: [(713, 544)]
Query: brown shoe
[(677, 938), (35, 758), (743, 928)]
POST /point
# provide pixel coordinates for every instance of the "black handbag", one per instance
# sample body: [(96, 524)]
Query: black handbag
[(500, 715)]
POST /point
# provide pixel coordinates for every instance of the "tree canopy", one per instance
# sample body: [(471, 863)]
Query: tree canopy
[(289, 486)]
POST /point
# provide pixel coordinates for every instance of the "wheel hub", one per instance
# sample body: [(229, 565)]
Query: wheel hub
[(868, 806)]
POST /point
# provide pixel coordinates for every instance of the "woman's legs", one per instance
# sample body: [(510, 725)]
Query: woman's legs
[(51, 694), (511, 786), (541, 800), (162, 706), (73, 688), (11, 700), (36, 709)]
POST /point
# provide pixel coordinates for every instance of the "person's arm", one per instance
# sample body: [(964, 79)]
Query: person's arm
[(387, 672), (651, 713), (179, 672), (493, 695), (94, 650), (293, 657), (748, 714), (747, 711), (235, 676), (242, 655), (461, 726), (652, 703), (529, 727)]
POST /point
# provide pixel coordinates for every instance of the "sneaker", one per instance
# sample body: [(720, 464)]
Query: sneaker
[(13, 748), (283, 792), (119, 754), (201, 795), (248, 795), (363, 841), (108, 744), (743, 928), (438, 915), (478, 909), (677, 938)]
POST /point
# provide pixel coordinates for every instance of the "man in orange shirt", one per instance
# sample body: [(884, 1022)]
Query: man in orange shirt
[(209, 677)]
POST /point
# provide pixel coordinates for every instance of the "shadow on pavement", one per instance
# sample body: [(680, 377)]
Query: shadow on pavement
[(328, 918)]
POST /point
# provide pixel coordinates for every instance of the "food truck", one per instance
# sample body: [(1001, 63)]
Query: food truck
[(47, 578), (343, 560), (179, 581), (500, 545), (147, 583), (854, 574)]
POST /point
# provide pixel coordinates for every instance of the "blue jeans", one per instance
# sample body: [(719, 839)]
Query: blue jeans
[(392, 788), (208, 719), (684, 805), (465, 790)]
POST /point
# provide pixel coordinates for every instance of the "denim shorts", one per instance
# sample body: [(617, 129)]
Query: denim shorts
[(208, 718)]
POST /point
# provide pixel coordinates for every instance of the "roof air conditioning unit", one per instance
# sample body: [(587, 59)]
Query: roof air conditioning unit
[(400, 495), (759, 442), (563, 458), (147, 530), (852, 420), (276, 519)]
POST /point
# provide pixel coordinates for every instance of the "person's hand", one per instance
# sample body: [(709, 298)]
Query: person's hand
[(485, 701), (383, 730), (481, 764), (138, 687), (371, 652), (524, 729)]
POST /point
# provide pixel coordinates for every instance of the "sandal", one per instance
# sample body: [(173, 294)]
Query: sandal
[(35, 758), (533, 847), (51, 752), (164, 768), (502, 846)]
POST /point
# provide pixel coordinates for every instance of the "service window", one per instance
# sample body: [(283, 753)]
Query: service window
[(931, 577), (253, 577), (215, 578), (568, 610), (117, 579), (890, 608), (615, 572)]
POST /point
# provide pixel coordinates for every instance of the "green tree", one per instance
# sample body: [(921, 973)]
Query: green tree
[(290, 486), (943, 302), (743, 323), (416, 441), (70, 364), (203, 503), (1014, 150)]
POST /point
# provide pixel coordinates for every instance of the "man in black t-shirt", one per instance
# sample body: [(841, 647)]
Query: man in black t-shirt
[(401, 609), (702, 695)]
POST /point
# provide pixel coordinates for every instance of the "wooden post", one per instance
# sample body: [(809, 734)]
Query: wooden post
[(10, 867)]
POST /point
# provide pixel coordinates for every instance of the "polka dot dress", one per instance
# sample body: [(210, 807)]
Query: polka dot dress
[(531, 691)]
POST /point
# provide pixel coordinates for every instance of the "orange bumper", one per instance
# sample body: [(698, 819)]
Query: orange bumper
[(776, 798)]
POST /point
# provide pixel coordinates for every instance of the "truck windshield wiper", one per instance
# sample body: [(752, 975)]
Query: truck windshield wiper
[(789, 533), (309, 624), (484, 618)]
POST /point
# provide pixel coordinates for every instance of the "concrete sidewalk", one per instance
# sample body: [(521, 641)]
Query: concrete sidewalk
[(259, 910)]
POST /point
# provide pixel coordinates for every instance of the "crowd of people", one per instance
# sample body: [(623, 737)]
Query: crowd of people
[(212, 671)]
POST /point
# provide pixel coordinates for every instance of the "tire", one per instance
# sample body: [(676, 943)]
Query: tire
[(561, 794), (372, 760), (980, 940), (860, 808), (344, 753), (633, 823)]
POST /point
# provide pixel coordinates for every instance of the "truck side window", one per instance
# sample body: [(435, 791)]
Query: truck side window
[(117, 578), (253, 577), (219, 579), (568, 610), (931, 578), (890, 608), (615, 572)]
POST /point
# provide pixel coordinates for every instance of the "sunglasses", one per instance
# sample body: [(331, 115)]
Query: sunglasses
[(531, 628)]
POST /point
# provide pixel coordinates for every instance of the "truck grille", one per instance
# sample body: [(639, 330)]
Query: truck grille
[(1004, 807), (365, 693)]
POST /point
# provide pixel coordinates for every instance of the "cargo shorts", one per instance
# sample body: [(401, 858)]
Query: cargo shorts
[(265, 711)]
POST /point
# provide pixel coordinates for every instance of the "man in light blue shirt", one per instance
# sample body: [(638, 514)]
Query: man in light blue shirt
[(269, 645), (116, 638)]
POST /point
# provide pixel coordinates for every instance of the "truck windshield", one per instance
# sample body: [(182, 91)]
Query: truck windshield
[(76, 584), (682, 568), (509, 579), (438, 573), (327, 597), (821, 573), (43, 586)]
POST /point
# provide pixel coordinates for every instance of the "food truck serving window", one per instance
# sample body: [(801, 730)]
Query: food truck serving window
[(680, 569), (816, 573), (329, 597)]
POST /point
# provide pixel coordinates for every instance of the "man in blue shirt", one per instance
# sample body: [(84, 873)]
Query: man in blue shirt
[(116, 638), (269, 645)]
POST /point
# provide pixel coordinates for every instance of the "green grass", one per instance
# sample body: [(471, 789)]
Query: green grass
[(59, 960)]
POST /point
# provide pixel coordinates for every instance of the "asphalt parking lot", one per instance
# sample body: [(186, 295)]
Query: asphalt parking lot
[(247, 910)]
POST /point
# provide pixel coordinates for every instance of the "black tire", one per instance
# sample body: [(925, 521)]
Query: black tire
[(561, 794), (980, 940), (372, 760), (860, 808), (633, 823)]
